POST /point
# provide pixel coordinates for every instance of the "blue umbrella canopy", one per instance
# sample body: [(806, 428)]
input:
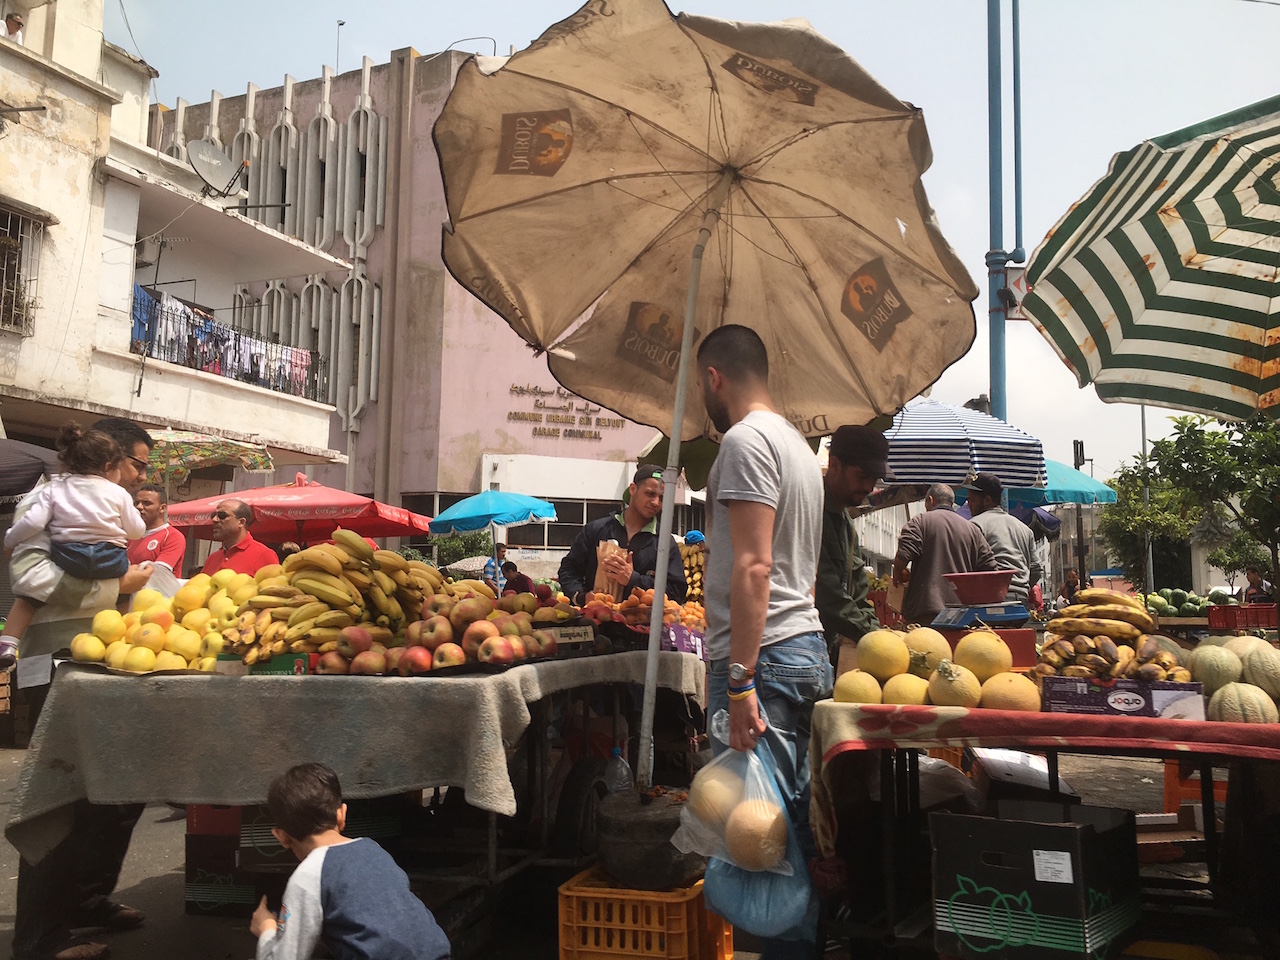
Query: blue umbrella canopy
[(935, 442), (493, 508), (1066, 485)]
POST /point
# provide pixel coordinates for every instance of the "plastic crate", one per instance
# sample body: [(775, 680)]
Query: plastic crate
[(602, 921), (1223, 617), (1261, 615)]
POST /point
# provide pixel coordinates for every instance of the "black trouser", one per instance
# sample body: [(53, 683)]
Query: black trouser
[(71, 885)]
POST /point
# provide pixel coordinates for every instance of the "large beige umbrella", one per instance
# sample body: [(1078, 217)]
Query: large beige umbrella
[(582, 173)]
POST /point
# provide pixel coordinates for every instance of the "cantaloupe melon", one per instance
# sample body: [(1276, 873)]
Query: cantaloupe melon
[(883, 654), (1242, 703), (1214, 667), (1010, 691), (1262, 668), (714, 794), (1243, 646), (756, 835), (857, 686), (906, 688), (928, 648), (984, 653), (954, 686)]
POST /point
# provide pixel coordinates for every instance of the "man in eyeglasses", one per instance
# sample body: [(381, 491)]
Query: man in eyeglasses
[(240, 552)]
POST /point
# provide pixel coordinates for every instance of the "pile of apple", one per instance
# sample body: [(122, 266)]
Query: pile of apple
[(471, 630)]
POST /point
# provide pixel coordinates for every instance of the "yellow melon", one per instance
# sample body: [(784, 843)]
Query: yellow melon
[(883, 654), (714, 794), (756, 835), (954, 686), (857, 686), (928, 648), (984, 653), (1010, 691), (906, 688)]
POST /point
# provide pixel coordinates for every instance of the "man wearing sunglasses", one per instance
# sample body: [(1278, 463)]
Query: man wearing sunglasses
[(240, 551)]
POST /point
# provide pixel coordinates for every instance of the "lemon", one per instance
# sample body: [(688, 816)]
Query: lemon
[(116, 654), (145, 599), (167, 660), (88, 648), (197, 620), (151, 636), (139, 660)]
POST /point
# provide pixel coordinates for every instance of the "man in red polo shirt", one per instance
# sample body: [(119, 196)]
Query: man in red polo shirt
[(161, 543), (240, 552)]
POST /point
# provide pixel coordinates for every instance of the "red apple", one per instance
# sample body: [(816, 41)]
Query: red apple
[(369, 664), (354, 640), (416, 661), (496, 650), (436, 631), (525, 621), (476, 634), (393, 658), (441, 603), (332, 663), (517, 647), (546, 641), (544, 593), (448, 655), (531, 646), (469, 611), (507, 626), (413, 633)]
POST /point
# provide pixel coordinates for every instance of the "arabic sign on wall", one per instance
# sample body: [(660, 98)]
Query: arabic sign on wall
[(552, 414)]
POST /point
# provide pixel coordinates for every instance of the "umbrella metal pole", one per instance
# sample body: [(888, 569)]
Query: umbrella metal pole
[(1146, 502), (644, 761)]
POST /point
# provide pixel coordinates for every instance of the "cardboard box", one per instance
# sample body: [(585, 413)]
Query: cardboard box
[(214, 886), (1041, 881), (683, 640), (381, 819), (231, 665), (287, 664), (1134, 698)]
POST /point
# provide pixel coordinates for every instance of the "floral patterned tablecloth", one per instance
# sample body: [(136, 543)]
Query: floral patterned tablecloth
[(841, 728)]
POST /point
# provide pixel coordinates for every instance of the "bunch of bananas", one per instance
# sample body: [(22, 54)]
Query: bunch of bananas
[(1106, 635), (695, 562), (303, 605)]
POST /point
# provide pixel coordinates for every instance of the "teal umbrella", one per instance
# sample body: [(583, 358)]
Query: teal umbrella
[(1065, 485), (493, 508)]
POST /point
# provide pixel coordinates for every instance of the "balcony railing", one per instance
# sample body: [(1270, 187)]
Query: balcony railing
[(170, 330)]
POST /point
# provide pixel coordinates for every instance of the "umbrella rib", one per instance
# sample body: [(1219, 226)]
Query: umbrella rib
[(894, 248), (617, 106), (866, 388), (771, 152)]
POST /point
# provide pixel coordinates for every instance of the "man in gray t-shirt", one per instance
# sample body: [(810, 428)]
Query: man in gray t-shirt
[(769, 660)]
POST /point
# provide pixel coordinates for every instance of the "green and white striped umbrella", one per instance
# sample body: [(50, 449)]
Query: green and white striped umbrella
[(1162, 285)]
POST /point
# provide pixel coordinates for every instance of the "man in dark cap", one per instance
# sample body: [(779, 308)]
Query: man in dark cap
[(635, 528), (1010, 539), (858, 458)]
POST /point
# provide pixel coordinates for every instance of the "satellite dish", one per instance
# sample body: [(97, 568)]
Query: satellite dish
[(213, 167)]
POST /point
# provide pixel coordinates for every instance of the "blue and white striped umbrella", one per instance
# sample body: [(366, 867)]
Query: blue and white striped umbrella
[(935, 442)]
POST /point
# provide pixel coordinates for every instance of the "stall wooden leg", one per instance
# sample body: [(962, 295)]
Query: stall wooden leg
[(1051, 756), (888, 814), (1210, 811), (493, 847)]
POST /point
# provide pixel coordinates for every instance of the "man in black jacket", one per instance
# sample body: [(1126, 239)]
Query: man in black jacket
[(636, 531)]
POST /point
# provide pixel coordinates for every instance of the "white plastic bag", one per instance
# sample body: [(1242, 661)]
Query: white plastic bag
[(733, 812)]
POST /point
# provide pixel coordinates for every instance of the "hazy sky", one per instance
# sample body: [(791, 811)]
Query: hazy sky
[(1098, 76)]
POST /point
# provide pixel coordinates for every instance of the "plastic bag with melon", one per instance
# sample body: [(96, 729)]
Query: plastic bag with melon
[(733, 813)]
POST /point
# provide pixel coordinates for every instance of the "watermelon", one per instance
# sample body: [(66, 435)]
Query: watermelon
[(1177, 597), (1218, 595), (1159, 603), (1166, 594), (1189, 610)]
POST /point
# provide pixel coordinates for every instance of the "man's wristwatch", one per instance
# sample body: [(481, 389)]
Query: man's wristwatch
[(741, 674)]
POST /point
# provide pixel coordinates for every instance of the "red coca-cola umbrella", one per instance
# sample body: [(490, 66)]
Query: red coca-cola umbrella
[(303, 511)]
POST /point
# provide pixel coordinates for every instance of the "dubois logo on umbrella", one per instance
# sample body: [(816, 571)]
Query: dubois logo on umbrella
[(535, 143), (873, 303), (651, 340), (769, 79)]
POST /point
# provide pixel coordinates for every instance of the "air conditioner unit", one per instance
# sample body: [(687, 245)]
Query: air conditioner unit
[(146, 251)]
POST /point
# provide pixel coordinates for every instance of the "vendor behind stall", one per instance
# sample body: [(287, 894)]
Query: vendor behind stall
[(635, 529)]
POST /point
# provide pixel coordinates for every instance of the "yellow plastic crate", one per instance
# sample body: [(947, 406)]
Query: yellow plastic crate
[(602, 921)]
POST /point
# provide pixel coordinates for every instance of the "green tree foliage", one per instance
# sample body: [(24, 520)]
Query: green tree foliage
[(1236, 465), (1169, 518), (459, 546), (1242, 552)]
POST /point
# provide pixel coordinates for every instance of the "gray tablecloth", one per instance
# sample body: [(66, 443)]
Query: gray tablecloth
[(215, 739)]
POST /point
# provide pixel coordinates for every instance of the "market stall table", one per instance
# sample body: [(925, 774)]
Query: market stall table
[(848, 729), (221, 740)]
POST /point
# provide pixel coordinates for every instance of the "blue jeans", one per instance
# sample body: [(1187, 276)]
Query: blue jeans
[(790, 676), (90, 561)]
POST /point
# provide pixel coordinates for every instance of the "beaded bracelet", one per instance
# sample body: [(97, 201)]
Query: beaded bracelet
[(742, 692)]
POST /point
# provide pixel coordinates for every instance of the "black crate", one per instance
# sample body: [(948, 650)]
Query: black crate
[(381, 819), (1041, 881)]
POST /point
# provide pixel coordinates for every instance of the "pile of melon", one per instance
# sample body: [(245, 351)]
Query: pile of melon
[(1241, 678), (919, 667)]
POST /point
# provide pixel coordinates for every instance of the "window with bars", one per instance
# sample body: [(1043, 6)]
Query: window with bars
[(20, 238)]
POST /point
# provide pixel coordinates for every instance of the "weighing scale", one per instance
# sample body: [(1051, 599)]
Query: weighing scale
[(1006, 615)]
